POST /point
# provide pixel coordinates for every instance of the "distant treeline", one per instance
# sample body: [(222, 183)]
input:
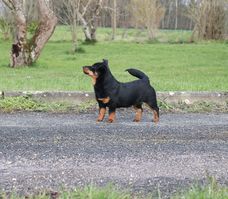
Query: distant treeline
[(176, 15)]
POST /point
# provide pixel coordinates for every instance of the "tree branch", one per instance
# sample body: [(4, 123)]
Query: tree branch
[(9, 4), (85, 8)]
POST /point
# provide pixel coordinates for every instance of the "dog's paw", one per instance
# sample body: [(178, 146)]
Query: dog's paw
[(155, 121), (110, 121), (135, 120)]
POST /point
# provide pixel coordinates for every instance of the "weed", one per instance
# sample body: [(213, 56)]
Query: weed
[(211, 191)]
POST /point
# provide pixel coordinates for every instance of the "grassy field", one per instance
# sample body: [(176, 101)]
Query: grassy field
[(170, 64)]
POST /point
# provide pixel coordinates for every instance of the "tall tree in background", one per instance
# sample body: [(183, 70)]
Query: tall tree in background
[(148, 14), (176, 14), (25, 51), (66, 11), (86, 12), (88, 15), (114, 15)]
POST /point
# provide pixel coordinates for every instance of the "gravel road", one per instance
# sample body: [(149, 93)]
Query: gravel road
[(44, 151)]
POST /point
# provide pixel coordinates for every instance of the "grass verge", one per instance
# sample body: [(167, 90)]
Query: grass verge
[(210, 191), (89, 192), (11, 104), (26, 103), (198, 107)]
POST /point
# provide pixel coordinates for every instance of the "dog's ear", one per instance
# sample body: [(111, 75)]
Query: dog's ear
[(105, 62)]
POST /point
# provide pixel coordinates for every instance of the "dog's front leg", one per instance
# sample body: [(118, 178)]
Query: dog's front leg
[(112, 114), (102, 111), (101, 115)]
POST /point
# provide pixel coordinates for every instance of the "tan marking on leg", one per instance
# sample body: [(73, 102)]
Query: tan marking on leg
[(104, 100), (156, 118), (112, 117), (101, 115), (138, 115)]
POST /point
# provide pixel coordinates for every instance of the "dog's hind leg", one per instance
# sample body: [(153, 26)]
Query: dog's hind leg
[(112, 115), (138, 114), (153, 106)]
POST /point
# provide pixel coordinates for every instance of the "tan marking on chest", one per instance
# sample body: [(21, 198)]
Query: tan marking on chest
[(94, 80), (104, 100)]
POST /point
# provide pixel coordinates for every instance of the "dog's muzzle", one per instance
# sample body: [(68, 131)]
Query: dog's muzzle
[(86, 70)]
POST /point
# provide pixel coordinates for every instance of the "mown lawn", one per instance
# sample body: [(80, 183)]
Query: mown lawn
[(192, 67)]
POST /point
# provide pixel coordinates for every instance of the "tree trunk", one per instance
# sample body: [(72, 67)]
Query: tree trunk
[(114, 12), (25, 52), (18, 51), (89, 28), (85, 25), (169, 15), (46, 27), (94, 20), (93, 33), (74, 32), (176, 15)]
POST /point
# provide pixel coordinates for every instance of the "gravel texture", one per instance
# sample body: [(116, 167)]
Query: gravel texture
[(44, 151)]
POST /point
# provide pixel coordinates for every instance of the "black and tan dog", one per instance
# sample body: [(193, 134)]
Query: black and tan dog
[(113, 94)]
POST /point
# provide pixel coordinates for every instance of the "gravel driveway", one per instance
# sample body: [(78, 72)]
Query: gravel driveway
[(48, 151)]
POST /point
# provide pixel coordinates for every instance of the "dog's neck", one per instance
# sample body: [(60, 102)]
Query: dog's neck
[(105, 79), (104, 82)]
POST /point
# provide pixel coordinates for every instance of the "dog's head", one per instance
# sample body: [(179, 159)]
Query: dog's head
[(97, 70)]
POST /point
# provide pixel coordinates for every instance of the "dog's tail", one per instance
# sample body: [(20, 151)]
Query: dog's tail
[(137, 73)]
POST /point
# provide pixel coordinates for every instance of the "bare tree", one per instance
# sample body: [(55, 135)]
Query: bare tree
[(89, 18), (176, 14), (66, 11), (169, 13), (24, 51), (114, 14), (148, 13), (5, 23), (209, 18), (86, 12)]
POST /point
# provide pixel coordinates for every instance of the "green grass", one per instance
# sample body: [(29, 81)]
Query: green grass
[(27, 103), (193, 67), (210, 191), (92, 192), (22, 103), (88, 192)]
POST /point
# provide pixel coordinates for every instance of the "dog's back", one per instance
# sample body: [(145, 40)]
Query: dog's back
[(135, 92)]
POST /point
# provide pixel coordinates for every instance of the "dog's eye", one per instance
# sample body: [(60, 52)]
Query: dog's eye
[(92, 69)]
